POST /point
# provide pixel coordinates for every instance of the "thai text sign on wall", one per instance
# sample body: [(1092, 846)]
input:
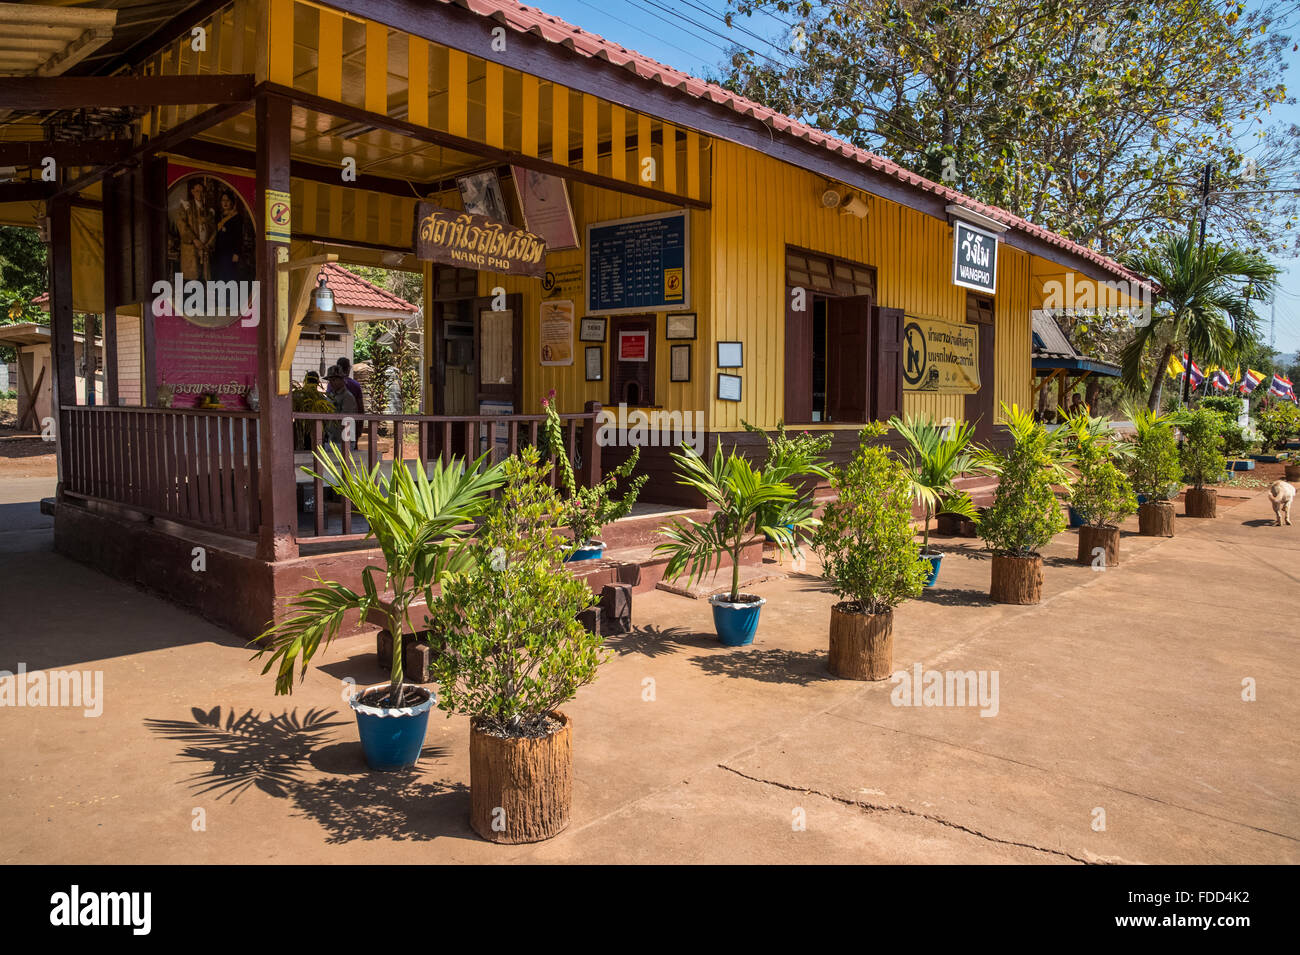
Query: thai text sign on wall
[(940, 357), (974, 258), (470, 241)]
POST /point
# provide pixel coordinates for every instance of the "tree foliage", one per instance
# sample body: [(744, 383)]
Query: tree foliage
[(1094, 118)]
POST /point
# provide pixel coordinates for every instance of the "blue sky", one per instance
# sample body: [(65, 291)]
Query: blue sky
[(656, 28)]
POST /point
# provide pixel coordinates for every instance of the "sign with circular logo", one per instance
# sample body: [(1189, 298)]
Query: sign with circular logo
[(913, 354)]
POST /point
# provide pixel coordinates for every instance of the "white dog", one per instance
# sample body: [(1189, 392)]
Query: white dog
[(1281, 494)]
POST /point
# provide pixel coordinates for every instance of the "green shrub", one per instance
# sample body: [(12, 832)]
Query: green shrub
[(586, 510), (1201, 454), (1154, 468), (1101, 494), (512, 649), (1278, 423), (1025, 514), (867, 547)]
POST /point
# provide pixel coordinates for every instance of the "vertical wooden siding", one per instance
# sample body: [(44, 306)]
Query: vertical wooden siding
[(760, 206)]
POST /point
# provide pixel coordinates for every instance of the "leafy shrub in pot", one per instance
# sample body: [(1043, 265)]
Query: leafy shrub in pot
[(869, 556), (1101, 493), (1201, 456), (512, 653), (1154, 471), (1025, 514)]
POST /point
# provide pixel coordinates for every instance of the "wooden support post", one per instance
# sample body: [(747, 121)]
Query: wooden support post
[(278, 534), (62, 342), (154, 187), (591, 447), (112, 271)]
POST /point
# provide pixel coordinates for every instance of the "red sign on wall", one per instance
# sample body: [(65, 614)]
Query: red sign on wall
[(633, 346)]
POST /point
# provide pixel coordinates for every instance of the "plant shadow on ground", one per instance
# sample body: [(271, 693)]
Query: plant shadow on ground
[(953, 597), (350, 801), (792, 667), (655, 641)]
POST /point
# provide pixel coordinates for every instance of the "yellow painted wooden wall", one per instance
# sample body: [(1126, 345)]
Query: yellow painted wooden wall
[(761, 205)]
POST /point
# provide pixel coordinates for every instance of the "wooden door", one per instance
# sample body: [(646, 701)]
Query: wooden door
[(498, 348), (979, 406), (849, 372)]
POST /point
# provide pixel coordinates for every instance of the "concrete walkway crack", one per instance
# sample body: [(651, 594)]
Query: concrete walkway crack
[(929, 817)]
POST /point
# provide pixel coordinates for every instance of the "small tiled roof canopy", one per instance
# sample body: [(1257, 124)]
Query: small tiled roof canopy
[(530, 20), (351, 291), (1051, 349)]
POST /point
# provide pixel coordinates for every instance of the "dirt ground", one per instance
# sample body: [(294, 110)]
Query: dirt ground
[(1144, 714)]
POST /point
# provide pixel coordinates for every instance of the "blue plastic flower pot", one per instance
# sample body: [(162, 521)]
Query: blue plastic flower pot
[(1239, 465), (1076, 519), (591, 551), (736, 623), (935, 560), (1142, 498), (392, 737), (772, 540)]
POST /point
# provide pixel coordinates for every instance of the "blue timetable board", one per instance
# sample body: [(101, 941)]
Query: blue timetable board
[(638, 264)]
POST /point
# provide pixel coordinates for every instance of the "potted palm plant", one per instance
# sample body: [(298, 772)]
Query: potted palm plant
[(1101, 493), (588, 509), (512, 653), (1025, 514), (419, 523), (1154, 471), (937, 456), (870, 557), (739, 492), (1201, 456)]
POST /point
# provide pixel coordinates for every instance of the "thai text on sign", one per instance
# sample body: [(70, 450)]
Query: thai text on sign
[(940, 357), (471, 241)]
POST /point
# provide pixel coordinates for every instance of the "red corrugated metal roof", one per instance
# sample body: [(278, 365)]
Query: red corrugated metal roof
[(525, 19), (352, 291)]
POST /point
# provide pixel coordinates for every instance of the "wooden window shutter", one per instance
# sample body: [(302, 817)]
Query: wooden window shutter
[(888, 354)]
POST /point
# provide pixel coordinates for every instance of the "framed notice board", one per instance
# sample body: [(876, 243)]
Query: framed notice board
[(640, 264)]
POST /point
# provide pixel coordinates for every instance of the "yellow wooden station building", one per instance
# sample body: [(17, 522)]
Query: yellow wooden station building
[(587, 222)]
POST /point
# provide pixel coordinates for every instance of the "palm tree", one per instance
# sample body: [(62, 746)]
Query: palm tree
[(937, 456), (741, 495), (421, 524), (1203, 305)]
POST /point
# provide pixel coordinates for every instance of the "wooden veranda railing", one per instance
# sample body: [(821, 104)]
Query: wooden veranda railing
[(421, 439), (194, 467)]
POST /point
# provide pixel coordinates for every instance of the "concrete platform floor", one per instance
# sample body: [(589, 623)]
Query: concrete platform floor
[(1121, 694)]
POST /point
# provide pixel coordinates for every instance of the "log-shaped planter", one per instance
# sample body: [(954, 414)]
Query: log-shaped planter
[(1293, 472), (520, 788), (1202, 502), (1091, 537), (862, 644), (1156, 519), (1017, 580)]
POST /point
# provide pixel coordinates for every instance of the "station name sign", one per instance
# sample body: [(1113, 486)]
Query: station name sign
[(470, 241), (974, 258)]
